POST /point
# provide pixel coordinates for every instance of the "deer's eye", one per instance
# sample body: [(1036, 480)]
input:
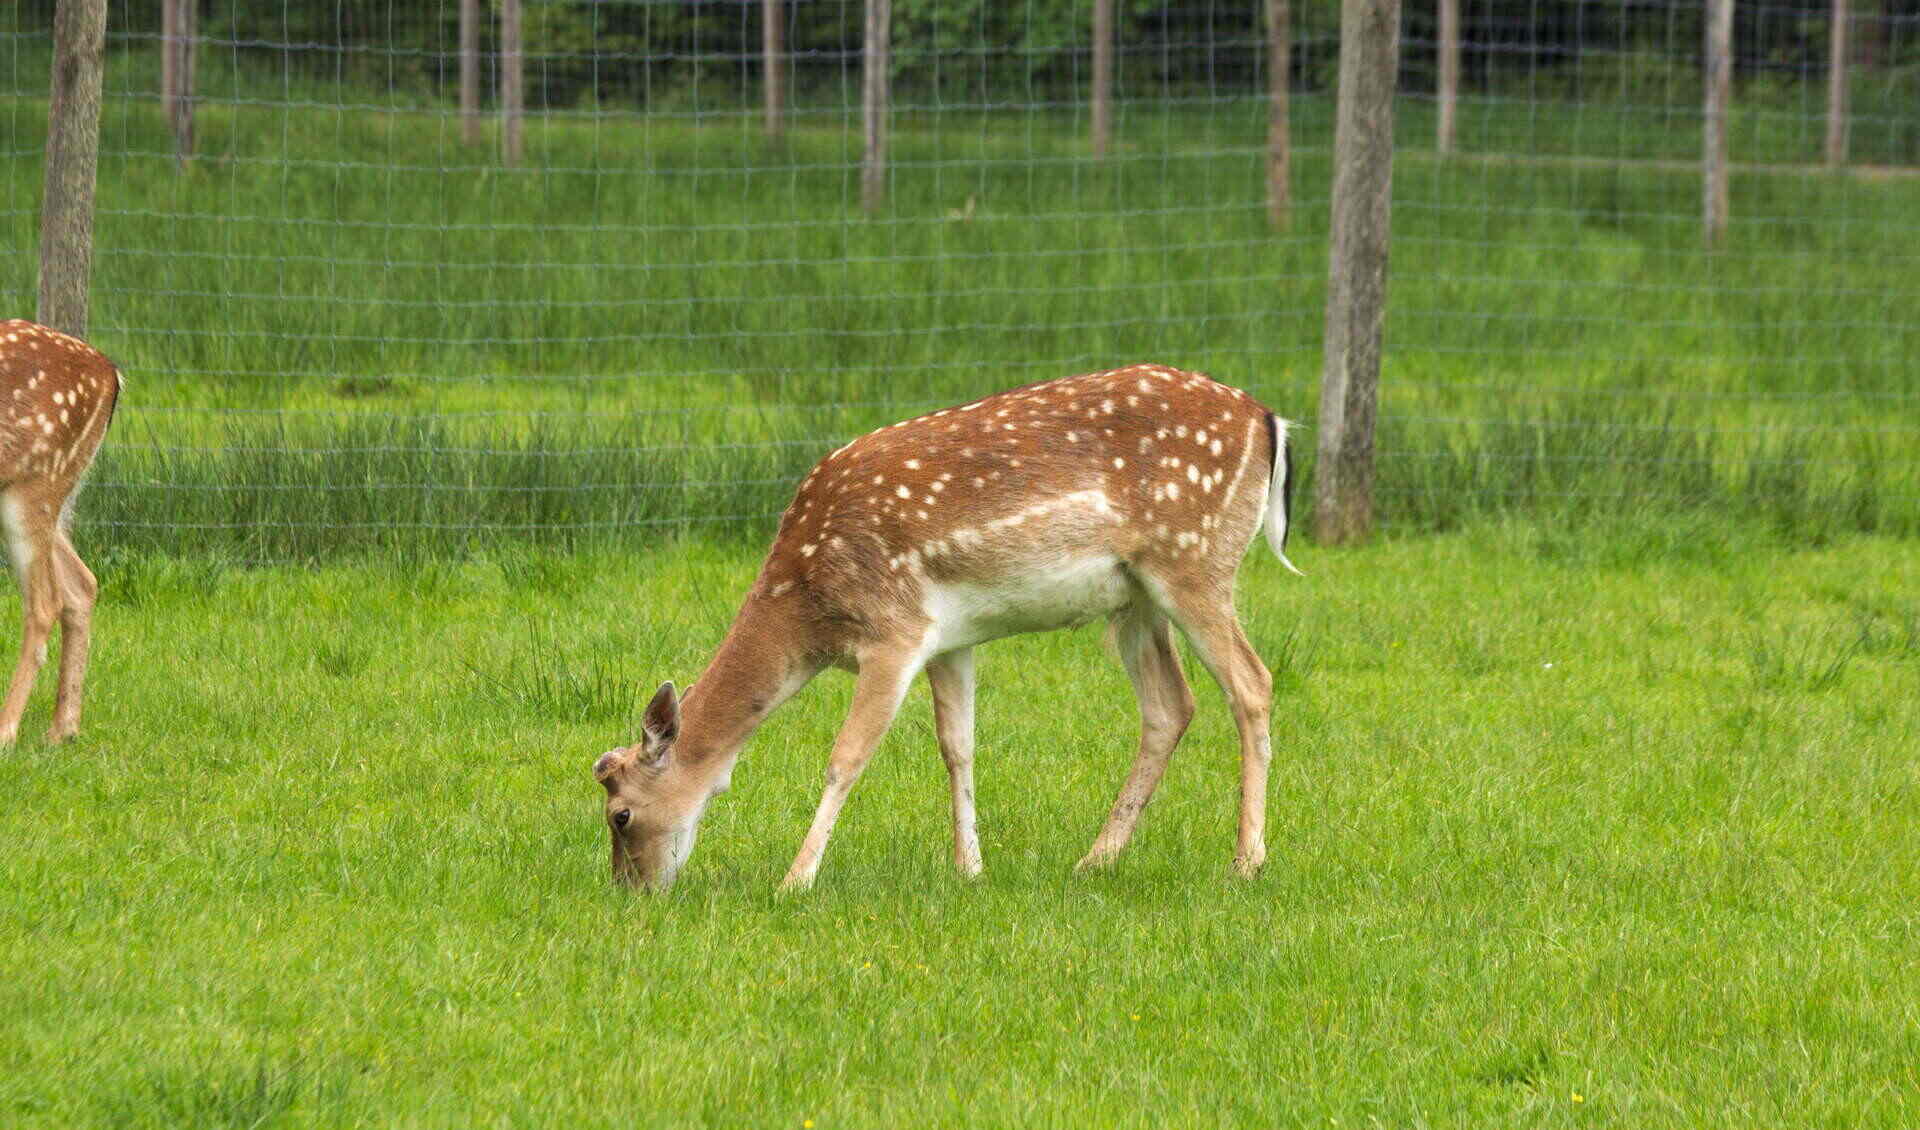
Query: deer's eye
[(621, 817)]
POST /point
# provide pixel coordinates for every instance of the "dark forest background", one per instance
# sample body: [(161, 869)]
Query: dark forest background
[(991, 51)]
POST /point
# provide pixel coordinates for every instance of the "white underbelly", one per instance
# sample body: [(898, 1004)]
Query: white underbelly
[(1062, 595)]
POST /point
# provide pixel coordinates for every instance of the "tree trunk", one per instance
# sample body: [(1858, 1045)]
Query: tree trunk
[(1357, 270), (1714, 122), (73, 154), (1279, 140), (877, 60), (513, 91), (470, 71), (1102, 95), (1837, 86), (1449, 74), (1869, 36), (177, 19), (773, 50)]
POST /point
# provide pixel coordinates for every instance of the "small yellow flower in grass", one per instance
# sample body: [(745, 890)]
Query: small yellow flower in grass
[(807, 1124), (1578, 1097), (1135, 1015)]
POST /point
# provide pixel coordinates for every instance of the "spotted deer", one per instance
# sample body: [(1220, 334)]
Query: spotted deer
[(1131, 494), (58, 395)]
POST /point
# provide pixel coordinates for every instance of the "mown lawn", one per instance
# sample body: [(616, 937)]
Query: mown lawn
[(1611, 825)]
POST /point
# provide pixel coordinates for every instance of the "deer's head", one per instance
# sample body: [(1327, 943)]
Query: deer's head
[(653, 801)]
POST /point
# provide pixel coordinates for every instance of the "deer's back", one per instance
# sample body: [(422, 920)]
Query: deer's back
[(1050, 486)]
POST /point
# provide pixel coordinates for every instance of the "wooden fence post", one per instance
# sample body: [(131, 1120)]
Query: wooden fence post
[(876, 61), (1279, 137), (513, 92), (1449, 75), (73, 155), (773, 49), (1357, 269), (1714, 122), (1102, 94), (177, 19), (470, 71), (1837, 85)]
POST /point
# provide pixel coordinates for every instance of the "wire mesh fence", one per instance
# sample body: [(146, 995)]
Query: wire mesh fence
[(349, 326)]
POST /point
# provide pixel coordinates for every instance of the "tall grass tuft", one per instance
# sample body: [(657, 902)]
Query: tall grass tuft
[(222, 1096), (1566, 463), (292, 488), (1788, 660), (553, 683)]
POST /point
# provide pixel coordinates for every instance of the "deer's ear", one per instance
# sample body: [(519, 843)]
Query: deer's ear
[(662, 722)]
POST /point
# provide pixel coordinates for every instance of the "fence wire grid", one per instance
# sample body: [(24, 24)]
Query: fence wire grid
[(349, 322)]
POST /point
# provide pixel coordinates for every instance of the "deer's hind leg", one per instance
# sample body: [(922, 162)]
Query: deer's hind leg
[(951, 678), (77, 589), (1144, 639), (1204, 613), (35, 567)]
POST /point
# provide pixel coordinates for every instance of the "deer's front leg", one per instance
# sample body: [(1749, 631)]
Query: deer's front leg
[(877, 692), (951, 677)]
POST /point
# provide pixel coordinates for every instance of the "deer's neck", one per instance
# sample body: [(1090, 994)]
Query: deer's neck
[(760, 665)]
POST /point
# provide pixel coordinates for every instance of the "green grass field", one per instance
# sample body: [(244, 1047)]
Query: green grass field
[(1610, 829)]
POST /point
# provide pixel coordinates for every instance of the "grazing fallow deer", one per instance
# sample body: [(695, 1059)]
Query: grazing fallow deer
[(1131, 494), (57, 393)]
